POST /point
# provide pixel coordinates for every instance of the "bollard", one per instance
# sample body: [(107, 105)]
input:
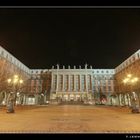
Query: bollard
[(10, 106)]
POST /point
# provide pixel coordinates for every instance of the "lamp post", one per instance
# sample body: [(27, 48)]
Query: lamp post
[(131, 81), (15, 82)]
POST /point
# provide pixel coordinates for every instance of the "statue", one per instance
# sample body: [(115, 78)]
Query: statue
[(57, 66), (90, 66), (86, 66)]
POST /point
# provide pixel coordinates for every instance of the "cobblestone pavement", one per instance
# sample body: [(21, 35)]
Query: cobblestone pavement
[(69, 118)]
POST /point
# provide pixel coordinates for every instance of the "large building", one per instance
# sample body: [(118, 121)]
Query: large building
[(127, 80), (68, 84), (9, 66)]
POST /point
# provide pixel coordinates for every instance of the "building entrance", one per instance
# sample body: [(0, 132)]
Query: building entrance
[(71, 99)]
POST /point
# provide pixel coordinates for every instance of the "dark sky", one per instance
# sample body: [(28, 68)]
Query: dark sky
[(41, 38)]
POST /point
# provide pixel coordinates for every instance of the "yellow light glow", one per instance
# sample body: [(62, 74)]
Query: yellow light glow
[(135, 79), (129, 75), (15, 81), (132, 80), (125, 80), (15, 76), (9, 80), (21, 81)]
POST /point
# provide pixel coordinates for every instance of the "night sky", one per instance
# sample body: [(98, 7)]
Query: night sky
[(41, 38)]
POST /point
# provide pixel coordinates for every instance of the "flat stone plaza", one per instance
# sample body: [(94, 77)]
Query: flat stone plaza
[(69, 119)]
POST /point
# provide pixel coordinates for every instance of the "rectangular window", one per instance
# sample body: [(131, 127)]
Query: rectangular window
[(109, 89)]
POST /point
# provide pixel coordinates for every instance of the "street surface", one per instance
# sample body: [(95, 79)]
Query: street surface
[(69, 118)]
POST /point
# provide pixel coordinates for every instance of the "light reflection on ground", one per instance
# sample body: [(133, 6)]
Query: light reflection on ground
[(70, 118)]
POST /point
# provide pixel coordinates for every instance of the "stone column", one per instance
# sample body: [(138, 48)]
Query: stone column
[(68, 82), (24, 100), (86, 82), (5, 97), (57, 82), (57, 78), (124, 99), (74, 82), (36, 99), (45, 98), (120, 101), (52, 83), (63, 83), (128, 98), (91, 79), (79, 80)]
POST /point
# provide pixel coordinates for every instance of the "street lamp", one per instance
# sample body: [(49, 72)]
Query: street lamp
[(130, 80), (15, 82)]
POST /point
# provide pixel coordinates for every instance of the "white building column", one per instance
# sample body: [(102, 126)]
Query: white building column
[(86, 78), (80, 82), (63, 83), (74, 82), (24, 100), (86, 82), (52, 83), (57, 78), (5, 97), (69, 82), (92, 83)]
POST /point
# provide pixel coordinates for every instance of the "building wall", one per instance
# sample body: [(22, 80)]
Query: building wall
[(74, 80), (10, 66), (129, 66), (126, 92), (82, 81)]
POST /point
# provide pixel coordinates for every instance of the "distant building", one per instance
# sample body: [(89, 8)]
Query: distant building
[(69, 84)]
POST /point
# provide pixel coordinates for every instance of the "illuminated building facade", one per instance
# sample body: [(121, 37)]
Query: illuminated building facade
[(66, 84), (79, 84), (127, 80), (9, 66)]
